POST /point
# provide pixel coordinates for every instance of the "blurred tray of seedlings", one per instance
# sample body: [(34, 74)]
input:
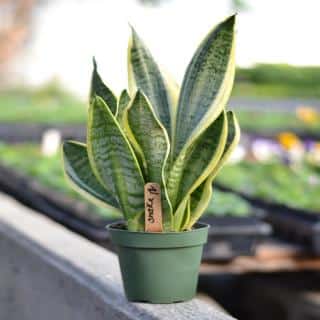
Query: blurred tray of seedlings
[(236, 228), (278, 81), (49, 104), (304, 121), (282, 177), (34, 176), (26, 114)]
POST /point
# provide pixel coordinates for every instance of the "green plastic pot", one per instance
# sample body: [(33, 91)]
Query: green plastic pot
[(159, 267)]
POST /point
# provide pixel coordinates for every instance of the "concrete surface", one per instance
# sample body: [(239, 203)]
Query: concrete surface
[(48, 272)]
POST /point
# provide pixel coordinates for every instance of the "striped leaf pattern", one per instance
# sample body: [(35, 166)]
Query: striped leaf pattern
[(148, 136), (100, 89), (79, 173), (206, 85), (144, 74), (188, 173), (178, 138), (114, 162), (201, 197), (123, 103)]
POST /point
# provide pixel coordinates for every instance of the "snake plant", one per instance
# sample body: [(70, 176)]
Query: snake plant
[(157, 132)]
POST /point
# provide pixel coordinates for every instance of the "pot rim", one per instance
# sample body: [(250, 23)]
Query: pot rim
[(113, 225), (135, 239)]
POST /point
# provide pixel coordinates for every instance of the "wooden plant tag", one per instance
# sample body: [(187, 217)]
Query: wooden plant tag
[(152, 205)]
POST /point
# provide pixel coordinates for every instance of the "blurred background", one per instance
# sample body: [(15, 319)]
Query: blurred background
[(46, 50)]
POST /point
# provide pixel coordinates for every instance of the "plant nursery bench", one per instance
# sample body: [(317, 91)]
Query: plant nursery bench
[(48, 272)]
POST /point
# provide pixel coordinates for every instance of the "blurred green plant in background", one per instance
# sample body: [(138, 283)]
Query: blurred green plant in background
[(236, 5), (52, 104), (47, 104), (278, 80), (239, 5), (296, 187), (266, 121), (28, 160)]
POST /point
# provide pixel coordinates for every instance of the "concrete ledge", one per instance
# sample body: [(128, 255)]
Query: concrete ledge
[(48, 272)]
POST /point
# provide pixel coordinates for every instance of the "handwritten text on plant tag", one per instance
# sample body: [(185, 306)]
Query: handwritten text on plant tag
[(152, 205)]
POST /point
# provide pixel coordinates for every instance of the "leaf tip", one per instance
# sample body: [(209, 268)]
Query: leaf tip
[(124, 92), (64, 146), (230, 21), (130, 26), (230, 113), (97, 100), (134, 38), (140, 96), (94, 62), (132, 29)]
